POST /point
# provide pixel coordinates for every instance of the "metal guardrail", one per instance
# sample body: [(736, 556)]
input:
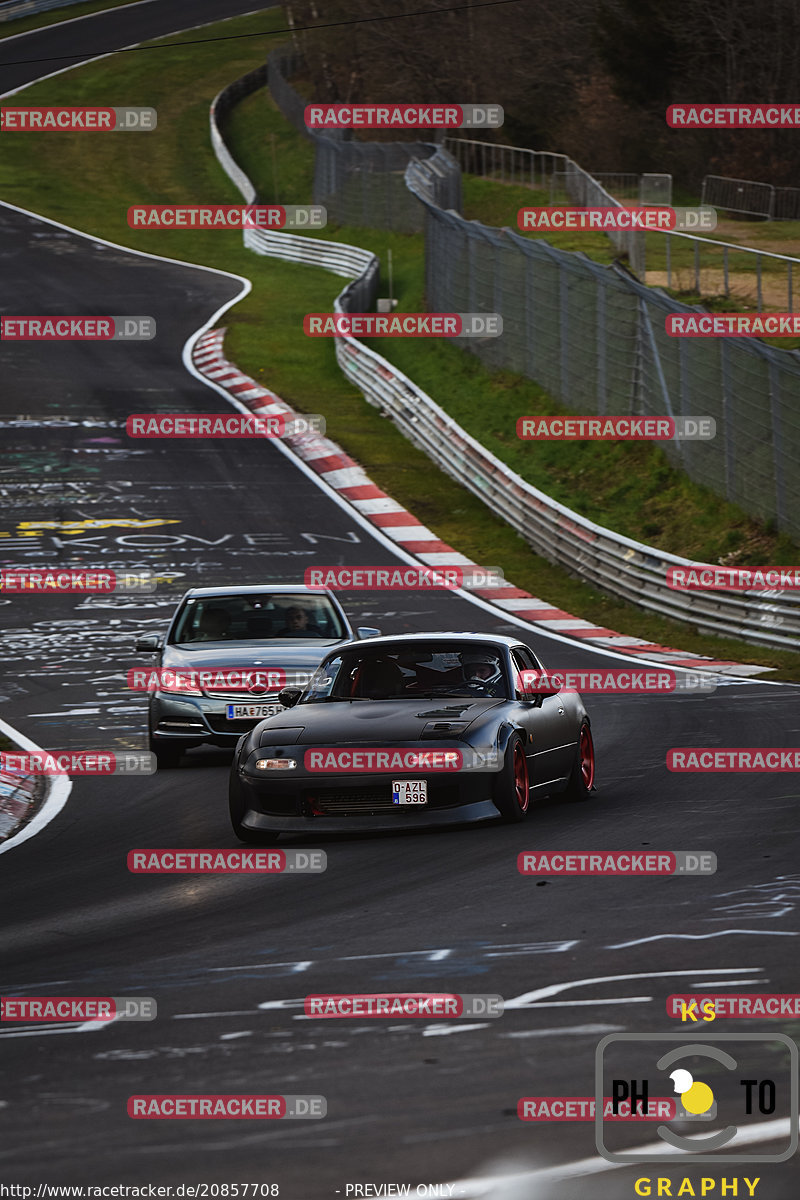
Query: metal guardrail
[(617, 564), (14, 10), (562, 178), (358, 182)]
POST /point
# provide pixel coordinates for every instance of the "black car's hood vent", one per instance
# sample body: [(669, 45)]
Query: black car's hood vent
[(452, 710)]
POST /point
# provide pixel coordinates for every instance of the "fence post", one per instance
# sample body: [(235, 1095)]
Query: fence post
[(600, 343), (726, 418), (789, 289), (777, 442), (563, 338)]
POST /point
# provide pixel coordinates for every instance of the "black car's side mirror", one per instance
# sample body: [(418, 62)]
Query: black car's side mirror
[(534, 698), (289, 696), (148, 643)]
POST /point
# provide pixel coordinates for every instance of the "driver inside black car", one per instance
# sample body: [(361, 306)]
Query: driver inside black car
[(482, 673)]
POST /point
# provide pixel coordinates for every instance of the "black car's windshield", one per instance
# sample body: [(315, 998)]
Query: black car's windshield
[(257, 616), (410, 672)]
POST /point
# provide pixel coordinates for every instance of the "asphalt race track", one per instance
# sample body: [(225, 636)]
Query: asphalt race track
[(228, 957)]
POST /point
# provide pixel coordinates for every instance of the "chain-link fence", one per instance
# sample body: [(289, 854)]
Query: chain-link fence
[(617, 564), (359, 183), (636, 189), (592, 336), (556, 174), (595, 338)]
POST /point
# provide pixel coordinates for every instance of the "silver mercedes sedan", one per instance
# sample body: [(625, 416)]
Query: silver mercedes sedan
[(227, 654)]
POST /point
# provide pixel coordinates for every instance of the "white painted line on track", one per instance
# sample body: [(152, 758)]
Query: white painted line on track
[(58, 790)]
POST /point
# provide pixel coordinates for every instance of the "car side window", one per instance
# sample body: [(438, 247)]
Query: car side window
[(523, 661), (322, 681)]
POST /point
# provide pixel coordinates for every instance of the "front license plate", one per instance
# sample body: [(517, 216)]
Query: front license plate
[(255, 711), (409, 791)]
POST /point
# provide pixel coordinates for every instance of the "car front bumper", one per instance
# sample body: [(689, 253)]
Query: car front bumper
[(329, 802), (201, 718)]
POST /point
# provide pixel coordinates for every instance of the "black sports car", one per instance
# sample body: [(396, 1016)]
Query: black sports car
[(410, 731)]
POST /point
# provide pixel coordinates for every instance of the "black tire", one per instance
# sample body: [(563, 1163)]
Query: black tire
[(512, 787), (236, 808), (581, 780)]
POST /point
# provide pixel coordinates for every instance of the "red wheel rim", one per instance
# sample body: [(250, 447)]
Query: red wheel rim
[(587, 757), (521, 790)]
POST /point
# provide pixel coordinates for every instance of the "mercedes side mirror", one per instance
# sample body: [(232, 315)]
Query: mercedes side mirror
[(148, 643), (365, 631)]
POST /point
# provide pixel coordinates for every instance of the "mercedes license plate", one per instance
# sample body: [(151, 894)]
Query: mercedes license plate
[(256, 712)]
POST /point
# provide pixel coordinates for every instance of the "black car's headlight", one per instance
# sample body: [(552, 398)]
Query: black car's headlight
[(275, 764)]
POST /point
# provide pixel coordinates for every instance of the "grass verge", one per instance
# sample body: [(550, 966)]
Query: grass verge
[(51, 174)]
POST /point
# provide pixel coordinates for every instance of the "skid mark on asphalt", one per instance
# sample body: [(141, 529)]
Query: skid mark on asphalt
[(702, 937), (405, 958)]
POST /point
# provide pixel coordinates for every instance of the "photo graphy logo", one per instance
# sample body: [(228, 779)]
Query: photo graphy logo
[(723, 1081)]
